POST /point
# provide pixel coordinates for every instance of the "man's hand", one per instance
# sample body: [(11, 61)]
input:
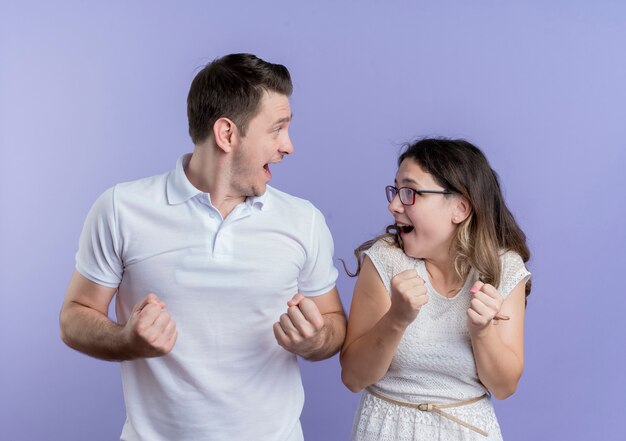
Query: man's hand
[(300, 330), (150, 330)]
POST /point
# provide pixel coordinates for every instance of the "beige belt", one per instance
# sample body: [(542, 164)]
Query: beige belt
[(435, 407)]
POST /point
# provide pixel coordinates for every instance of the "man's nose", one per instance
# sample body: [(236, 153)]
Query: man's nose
[(286, 147)]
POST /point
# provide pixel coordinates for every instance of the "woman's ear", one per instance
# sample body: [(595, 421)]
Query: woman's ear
[(225, 134), (462, 209)]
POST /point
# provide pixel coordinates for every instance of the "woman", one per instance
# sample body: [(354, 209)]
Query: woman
[(436, 324)]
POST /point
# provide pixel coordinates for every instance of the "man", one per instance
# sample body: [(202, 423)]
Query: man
[(220, 278)]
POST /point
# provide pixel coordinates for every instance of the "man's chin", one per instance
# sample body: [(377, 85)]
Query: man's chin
[(259, 190)]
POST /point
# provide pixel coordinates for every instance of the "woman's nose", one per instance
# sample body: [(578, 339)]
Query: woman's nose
[(395, 206)]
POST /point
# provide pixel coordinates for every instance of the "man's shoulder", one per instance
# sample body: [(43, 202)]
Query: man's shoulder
[(151, 186), (286, 201)]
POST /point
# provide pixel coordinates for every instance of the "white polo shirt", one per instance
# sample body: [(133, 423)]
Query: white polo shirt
[(225, 283)]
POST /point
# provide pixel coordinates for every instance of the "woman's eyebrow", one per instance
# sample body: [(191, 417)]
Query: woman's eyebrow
[(409, 181)]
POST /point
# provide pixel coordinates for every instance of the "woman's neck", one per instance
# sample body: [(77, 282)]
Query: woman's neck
[(443, 276)]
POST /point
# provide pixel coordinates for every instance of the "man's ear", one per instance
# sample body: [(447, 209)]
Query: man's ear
[(225, 134), (461, 211)]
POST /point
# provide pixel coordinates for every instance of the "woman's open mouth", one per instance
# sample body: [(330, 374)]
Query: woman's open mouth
[(404, 228)]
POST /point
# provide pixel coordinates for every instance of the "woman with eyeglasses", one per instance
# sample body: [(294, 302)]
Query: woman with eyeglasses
[(436, 326)]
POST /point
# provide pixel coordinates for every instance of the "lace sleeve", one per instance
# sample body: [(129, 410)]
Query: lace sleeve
[(387, 259), (513, 272)]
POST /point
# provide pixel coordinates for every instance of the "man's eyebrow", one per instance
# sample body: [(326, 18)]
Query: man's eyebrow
[(284, 120)]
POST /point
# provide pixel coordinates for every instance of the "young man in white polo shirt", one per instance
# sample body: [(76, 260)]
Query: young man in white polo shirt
[(220, 278)]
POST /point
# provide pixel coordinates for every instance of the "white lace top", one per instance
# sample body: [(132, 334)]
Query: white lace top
[(434, 362)]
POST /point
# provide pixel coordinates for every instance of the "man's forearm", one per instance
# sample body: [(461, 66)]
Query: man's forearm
[(331, 337), (93, 333)]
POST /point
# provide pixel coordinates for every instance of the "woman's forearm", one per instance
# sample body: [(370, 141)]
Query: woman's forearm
[(367, 359), (499, 367)]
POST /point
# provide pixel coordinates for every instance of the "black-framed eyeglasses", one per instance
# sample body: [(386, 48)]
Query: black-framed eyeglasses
[(407, 194)]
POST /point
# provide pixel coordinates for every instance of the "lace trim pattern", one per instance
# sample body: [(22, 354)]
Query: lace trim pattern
[(383, 421)]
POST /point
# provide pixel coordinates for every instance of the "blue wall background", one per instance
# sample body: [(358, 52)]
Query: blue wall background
[(92, 94)]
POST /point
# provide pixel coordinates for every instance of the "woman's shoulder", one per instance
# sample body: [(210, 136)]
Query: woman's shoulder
[(386, 254), (385, 246), (388, 258), (513, 271), (510, 258)]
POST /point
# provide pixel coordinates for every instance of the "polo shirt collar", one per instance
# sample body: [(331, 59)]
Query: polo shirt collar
[(260, 202), (180, 190)]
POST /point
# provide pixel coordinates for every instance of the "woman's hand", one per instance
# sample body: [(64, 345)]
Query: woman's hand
[(484, 306), (408, 295)]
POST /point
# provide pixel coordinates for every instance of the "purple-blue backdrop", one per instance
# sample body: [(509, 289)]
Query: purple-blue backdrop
[(92, 94)]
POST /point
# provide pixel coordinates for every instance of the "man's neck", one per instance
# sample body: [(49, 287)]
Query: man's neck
[(209, 171)]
